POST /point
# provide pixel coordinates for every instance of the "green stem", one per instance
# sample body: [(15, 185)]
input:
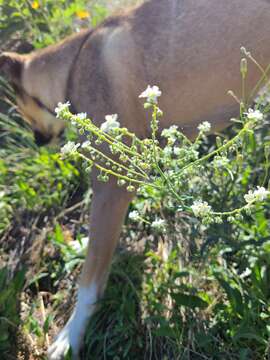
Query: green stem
[(232, 212), (267, 165), (117, 175), (167, 181), (117, 164), (104, 136), (217, 151), (264, 78)]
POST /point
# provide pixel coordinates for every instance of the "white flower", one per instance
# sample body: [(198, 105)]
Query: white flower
[(255, 115), (170, 173), (85, 144), (167, 151), (134, 215), (177, 150), (159, 224), (151, 94), (77, 118), (81, 116), (170, 133), (257, 195), (201, 208), (221, 161), (61, 109), (110, 124), (69, 148), (192, 154), (204, 127), (79, 245)]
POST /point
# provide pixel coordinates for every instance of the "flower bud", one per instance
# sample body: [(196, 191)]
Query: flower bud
[(130, 188), (121, 182), (243, 67)]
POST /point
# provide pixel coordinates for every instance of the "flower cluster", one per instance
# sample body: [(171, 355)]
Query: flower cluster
[(151, 94), (134, 215), (110, 124), (201, 208), (159, 225), (81, 116), (170, 133), (70, 148), (256, 195), (62, 109), (79, 245), (254, 115), (221, 161), (204, 127)]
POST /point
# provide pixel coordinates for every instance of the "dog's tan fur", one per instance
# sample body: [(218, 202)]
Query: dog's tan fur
[(189, 48)]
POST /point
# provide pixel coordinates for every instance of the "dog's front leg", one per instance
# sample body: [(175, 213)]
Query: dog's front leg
[(108, 209)]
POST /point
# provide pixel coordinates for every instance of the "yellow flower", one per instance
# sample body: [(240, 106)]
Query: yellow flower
[(82, 14), (35, 5)]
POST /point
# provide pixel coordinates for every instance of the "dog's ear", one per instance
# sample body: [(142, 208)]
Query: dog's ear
[(11, 65)]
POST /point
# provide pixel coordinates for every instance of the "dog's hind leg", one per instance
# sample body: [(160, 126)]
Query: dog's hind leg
[(108, 209)]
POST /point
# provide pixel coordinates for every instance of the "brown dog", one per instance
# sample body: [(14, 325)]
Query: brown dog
[(189, 48)]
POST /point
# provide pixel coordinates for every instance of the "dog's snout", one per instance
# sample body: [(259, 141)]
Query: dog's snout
[(41, 139)]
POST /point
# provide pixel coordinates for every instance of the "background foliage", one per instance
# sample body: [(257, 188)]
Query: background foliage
[(193, 293)]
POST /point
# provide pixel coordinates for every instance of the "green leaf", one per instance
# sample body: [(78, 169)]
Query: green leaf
[(250, 336), (165, 330), (190, 301), (233, 294), (4, 336), (47, 323)]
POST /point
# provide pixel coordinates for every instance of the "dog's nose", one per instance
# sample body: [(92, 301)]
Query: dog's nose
[(41, 139)]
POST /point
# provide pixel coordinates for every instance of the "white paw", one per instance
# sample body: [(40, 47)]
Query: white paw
[(61, 346), (72, 334)]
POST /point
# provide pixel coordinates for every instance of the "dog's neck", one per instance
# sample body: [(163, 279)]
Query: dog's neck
[(50, 68)]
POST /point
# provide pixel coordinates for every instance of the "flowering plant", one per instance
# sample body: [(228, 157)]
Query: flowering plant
[(138, 164)]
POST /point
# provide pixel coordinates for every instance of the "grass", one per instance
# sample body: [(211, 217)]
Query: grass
[(189, 294)]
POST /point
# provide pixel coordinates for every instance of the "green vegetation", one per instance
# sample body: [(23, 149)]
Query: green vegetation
[(196, 291)]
